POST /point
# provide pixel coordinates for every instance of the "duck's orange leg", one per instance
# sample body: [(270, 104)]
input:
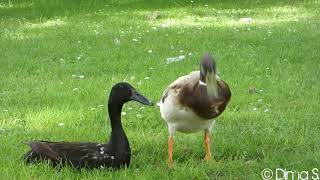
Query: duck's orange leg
[(207, 146), (170, 146)]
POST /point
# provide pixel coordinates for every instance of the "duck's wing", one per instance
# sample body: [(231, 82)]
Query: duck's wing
[(76, 154), (187, 80)]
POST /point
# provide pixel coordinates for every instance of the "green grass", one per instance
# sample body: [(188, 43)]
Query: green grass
[(46, 45)]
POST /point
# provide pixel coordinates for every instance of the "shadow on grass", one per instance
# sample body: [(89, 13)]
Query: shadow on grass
[(59, 8)]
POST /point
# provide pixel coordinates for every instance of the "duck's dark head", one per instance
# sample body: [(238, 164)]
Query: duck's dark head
[(123, 92), (208, 75)]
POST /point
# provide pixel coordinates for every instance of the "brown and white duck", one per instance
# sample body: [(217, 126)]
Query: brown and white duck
[(192, 102), (115, 154)]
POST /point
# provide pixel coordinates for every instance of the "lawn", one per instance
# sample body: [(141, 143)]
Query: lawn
[(59, 59)]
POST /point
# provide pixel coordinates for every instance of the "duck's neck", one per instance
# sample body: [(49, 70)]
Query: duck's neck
[(114, 108)]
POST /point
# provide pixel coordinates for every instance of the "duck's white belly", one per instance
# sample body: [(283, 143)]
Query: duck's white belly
[(180, 118)]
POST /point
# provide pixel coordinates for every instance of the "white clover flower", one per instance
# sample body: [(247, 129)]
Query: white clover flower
[(246, 20), (116, 41)]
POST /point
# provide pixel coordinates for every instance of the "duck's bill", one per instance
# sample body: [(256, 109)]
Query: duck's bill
[(141, 99), (212, 86)]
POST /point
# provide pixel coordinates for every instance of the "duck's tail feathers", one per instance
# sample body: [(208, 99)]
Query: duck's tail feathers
[(40, 151)]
